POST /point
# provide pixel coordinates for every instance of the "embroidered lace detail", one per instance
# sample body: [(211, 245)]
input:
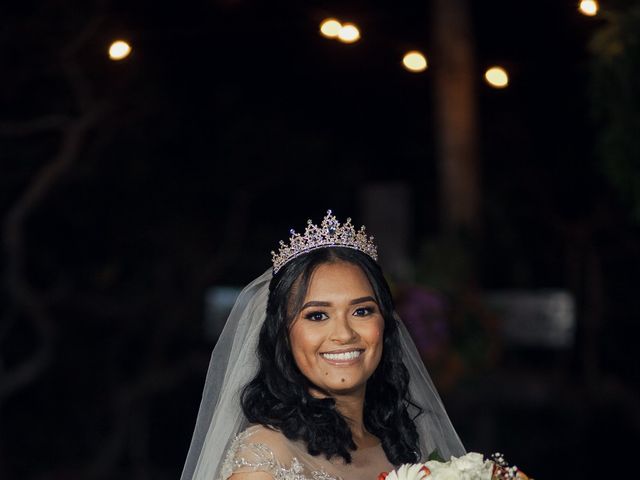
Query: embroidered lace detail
[(259, 457), (322, 475)]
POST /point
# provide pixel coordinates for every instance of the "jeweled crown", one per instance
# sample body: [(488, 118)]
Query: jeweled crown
[(330, 233)]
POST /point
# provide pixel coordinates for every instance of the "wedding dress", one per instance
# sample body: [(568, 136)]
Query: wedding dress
[(260, 449)]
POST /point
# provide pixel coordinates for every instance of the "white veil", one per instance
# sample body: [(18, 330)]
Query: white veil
[(234, 363)]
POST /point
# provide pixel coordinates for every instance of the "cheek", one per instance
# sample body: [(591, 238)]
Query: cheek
[(303, 346), (374, 333), (377, 338)]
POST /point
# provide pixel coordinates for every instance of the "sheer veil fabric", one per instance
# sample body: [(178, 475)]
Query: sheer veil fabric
[(234, 363)]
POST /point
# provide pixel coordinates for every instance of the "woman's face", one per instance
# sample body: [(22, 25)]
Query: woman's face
[(336, 339)]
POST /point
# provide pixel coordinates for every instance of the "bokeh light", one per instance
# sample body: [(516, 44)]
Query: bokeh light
[(330, 27), (119, 50), (414, 61), (588, 7), (349, 33), (497, 77)]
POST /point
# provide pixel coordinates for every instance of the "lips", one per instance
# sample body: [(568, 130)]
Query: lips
[(342, 356)]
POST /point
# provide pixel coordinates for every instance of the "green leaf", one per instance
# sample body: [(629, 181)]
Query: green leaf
[(435, 456)]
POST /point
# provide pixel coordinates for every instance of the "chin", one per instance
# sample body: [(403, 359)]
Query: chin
[(344, 388)]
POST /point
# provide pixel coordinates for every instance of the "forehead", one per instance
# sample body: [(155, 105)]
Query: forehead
[(338, 279)]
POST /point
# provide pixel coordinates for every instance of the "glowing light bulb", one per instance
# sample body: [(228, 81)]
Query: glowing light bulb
[(497, 77), (349, 33), (414, 61), (119, 50), (588, 7), (330, 28)]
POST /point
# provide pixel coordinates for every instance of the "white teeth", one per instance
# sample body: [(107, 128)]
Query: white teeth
[(342, 356)]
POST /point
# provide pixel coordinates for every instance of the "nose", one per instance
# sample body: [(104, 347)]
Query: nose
[(342, 331)]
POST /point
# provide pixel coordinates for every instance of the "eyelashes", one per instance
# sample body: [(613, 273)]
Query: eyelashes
[(316, 316), (364, 311), (319, 315)]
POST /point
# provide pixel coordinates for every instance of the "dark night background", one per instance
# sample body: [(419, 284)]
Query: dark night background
[(129, 188)]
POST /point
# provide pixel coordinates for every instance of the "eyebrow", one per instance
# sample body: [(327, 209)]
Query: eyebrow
[(315, 303)]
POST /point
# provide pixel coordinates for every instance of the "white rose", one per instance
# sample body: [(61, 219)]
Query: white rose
[(442, 471), (469, 462), (468, 467), (413, 471), (445, 474), (473, 466)]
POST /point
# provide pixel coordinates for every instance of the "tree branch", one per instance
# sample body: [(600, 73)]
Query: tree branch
[(37, 125), (24, 298)]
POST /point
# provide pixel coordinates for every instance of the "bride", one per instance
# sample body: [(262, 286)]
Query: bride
[(314, 376)]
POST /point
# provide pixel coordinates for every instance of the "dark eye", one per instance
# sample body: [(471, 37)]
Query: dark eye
[(363, 311), (316, 316)]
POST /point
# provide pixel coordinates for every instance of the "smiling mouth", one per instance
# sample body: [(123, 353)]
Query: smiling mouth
[(342, 356)]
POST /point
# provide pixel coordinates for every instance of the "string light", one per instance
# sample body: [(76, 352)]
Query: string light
[(497, 77), (119, 50), (330, 27), (414, 61), (349, 33), (588, 7)]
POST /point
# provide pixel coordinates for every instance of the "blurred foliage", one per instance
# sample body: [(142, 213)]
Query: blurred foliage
[(615, 97), (447, 263)]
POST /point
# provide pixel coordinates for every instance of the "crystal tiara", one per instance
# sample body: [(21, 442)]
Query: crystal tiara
[(330, 233)]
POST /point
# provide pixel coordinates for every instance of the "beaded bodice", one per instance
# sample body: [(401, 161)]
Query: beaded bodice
[(259, 449)]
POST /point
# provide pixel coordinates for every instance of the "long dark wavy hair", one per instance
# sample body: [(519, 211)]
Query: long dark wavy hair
[(279, 397)]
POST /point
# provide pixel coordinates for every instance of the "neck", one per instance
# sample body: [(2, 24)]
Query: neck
[(351, 407)]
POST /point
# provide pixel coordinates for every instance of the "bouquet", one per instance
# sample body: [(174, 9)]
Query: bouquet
[(471, 466)]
